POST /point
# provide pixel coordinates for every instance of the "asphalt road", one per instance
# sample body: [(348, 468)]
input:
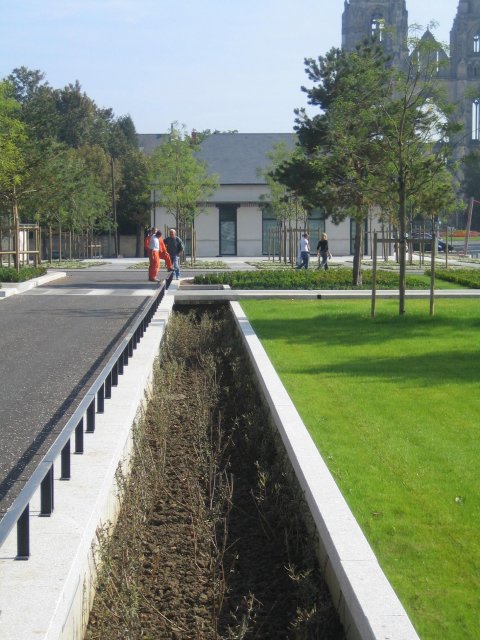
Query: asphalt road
[(53, 341)]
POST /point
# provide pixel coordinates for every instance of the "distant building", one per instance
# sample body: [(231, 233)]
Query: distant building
[(387, 20), (236, 221)]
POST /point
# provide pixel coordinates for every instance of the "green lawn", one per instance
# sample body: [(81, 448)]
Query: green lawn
[(393, 405)]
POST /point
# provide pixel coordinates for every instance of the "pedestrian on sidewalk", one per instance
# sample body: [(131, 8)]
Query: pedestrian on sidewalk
[(150, 232), (174, 247), (323, 252), (304, 252)]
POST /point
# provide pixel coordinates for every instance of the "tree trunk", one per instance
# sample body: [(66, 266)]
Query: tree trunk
[(357, 257), (401, 247)]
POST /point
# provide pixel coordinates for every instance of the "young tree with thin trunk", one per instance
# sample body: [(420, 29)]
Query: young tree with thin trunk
[(180, 178)]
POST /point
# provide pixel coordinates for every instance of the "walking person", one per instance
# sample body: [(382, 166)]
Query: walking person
[(154, 248), (323, 252), (304, 252), (174, 247)]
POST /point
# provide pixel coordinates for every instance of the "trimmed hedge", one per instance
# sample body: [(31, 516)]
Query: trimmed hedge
[(10, 274), (466, 277), (302, 279)]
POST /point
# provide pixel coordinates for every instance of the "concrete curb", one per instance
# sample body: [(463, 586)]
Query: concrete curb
[(13, 288), (49, 596), (367, 604), (187, 296)]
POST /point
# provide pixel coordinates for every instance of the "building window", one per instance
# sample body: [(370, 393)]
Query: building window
[(476, 43), (476, 120), (377, 25), (316, 226)]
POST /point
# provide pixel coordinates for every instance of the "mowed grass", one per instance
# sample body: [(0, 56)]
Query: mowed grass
[(393, 405)]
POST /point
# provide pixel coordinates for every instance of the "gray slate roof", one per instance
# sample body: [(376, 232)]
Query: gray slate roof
[(235, 157)]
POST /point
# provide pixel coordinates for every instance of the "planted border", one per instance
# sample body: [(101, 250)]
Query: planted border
[(10, 274), (301, 279)]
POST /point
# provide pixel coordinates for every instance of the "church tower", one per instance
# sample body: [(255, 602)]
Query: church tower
[(386, 20), (464, 72)]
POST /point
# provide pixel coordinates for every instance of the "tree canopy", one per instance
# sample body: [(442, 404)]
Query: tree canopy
[(180, 178)]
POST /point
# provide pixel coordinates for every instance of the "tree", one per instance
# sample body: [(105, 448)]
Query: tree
[(285, 205), (337, 154), (134, 195), (12, 159), (181, 179), (414, 144)]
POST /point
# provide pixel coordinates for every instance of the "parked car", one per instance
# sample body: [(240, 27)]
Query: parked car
[(417, 238)]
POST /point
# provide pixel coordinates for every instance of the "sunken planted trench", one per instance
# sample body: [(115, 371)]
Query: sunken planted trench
[(211, 542)]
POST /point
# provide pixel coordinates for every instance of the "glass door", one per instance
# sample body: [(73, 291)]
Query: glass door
[(228, 230)]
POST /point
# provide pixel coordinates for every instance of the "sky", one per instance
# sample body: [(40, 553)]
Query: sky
[(206, 64)]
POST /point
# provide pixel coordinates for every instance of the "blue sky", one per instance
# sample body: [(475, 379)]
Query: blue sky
[(210, 64)]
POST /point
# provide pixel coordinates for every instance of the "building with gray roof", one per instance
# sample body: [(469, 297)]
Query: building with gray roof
[(235, 220)]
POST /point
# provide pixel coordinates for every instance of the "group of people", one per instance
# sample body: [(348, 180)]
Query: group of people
[(158, 249), (323, 252)]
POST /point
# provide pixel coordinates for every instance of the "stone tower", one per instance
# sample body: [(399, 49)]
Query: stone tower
[(464, 72), (387, 20), (460, 69)]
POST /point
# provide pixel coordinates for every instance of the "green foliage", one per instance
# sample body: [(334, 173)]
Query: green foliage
[(181, 179), (303, 279), (12, 136), (65, 176), (283, 203), (10, 274), (465, 277)]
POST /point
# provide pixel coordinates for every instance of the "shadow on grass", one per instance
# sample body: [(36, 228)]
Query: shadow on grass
[(357, 329), (429, 370)]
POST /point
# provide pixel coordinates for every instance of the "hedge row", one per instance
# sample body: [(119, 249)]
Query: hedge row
[(466, 277), (303, 279), (10, 274)]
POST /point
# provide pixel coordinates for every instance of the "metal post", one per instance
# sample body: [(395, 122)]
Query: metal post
[(79, 437), (101, 399), (65, 465), (91, 417), (115, 375), (108, 385), (46, 494), (23, 535)]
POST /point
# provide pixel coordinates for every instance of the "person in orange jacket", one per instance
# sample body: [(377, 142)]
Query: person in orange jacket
[(151, 232), (157, 251), (164, 255)]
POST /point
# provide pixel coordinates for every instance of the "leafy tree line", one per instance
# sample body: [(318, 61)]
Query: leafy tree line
[(68, 164), (62, 157), (379, 141)]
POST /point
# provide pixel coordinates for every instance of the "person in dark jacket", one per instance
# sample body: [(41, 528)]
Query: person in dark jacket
[(323, 252), (174, 247)]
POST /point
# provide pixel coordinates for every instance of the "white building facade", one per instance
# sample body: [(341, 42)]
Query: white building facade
[(235, 221)]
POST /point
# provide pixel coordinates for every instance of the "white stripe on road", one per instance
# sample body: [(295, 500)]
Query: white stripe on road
[(146, 293)]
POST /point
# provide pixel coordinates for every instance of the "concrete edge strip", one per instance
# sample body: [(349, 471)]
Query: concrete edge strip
[(50, 595), (12, 288), (367, 603)]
